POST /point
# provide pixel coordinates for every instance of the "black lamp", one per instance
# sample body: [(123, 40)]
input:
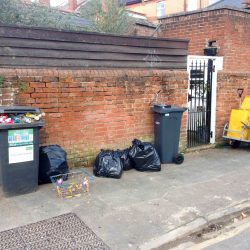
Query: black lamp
[(210, 49)]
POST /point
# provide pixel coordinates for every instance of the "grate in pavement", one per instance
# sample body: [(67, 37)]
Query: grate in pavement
[(66, 231)]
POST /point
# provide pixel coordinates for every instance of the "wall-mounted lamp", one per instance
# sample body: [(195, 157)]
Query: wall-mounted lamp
[(240, 92), (211, 48)]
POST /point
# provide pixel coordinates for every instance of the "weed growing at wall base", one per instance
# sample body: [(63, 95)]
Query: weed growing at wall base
[(1, 81)]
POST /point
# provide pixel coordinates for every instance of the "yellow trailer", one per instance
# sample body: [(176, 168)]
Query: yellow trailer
[(238, 128)]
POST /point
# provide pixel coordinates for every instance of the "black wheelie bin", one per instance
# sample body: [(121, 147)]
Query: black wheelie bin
[(167, 123)]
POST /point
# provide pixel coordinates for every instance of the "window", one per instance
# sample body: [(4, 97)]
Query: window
[(192, 5), (161, 9)]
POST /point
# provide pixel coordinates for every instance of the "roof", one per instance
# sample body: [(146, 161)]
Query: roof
[(129, 2), (226, 3), (79, 21), (144, 22)]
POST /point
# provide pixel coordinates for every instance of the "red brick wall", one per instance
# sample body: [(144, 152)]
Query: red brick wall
[(87, 110), (237, 42), (230, 28), (8, 89), (227, 98)]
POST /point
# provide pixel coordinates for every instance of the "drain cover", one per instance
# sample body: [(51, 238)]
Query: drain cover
[(62, 232)]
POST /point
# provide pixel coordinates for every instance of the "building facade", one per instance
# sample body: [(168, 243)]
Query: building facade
[(155, 9), (227, 29)]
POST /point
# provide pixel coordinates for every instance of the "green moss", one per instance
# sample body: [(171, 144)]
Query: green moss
[(220, 144), (1, 81), (146, 138), (23, 86), (84, 155)]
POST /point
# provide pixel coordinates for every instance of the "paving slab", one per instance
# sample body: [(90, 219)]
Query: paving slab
[(129, 212)]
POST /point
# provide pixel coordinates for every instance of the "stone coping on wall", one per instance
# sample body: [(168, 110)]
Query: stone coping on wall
[(91, 73), (205, 12)]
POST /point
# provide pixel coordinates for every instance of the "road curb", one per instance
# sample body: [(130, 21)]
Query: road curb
[(196, 225), (228, 212)]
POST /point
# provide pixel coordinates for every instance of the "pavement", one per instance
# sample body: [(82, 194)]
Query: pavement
[(142, 207)]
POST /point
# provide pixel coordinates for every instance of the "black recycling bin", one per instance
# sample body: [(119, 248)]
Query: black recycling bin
[(167, 125), (19, 152)]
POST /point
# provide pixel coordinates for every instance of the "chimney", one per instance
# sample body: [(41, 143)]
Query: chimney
[(44, 2), (72, 5)]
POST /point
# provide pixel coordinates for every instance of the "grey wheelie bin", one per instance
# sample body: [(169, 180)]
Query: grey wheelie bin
[(19, 152), (167, 123)]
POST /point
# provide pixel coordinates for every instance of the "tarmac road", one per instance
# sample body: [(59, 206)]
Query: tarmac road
[(238, 238)]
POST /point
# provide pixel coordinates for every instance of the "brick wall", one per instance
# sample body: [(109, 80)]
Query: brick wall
[(8, 89), (87, 110), (230, 28), (237, 42), (227, 98)]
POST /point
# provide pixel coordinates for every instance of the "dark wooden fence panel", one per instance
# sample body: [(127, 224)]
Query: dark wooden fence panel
[(33, 47), (73, 46)]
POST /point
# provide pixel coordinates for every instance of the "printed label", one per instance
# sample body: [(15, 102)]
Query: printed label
[(21, 154)]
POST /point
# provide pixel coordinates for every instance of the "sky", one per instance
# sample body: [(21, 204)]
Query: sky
[(57, 2)]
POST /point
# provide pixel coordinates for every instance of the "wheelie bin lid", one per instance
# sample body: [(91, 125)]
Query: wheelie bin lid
[(18, 109), (164, 109), (38, 124)]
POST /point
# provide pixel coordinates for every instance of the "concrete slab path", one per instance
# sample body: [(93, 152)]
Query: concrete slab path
[(128, 212)]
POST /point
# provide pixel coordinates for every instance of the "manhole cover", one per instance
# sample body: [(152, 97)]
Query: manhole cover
[(62, 232)]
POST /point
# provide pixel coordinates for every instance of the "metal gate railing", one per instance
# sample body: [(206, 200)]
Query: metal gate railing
[(199, 99)]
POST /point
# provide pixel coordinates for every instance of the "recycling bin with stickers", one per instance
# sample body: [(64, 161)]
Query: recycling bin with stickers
[(19, 149)]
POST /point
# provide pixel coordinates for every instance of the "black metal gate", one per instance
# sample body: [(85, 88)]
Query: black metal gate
[(200, 100)]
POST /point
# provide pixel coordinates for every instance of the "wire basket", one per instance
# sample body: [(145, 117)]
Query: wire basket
[(72, 184)]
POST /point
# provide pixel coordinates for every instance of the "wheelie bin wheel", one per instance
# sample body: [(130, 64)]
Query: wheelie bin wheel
[(179, 159), (234, 143)]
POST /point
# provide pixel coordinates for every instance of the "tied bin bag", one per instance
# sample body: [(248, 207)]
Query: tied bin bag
[(125, 159), (144, 156), (52, 161), (108, 164)]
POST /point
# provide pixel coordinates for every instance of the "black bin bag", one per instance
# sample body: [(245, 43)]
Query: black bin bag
[(52, 161), (125, 159), (144, 156), (108, 164)]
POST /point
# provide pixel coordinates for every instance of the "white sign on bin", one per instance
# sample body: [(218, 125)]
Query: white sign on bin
[(21, 154), (21, 148)]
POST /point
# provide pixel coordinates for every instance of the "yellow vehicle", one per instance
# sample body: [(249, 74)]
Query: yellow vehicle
[(238, 128)]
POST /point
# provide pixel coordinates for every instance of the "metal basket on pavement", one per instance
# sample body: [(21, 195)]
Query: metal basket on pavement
[(72, 184)]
